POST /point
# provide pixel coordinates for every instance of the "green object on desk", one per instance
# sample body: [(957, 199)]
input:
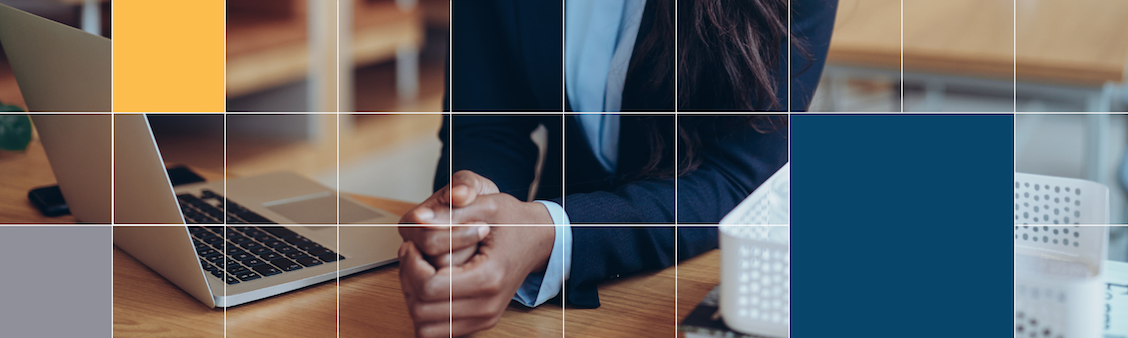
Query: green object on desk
[(15, 131), (7, 109)]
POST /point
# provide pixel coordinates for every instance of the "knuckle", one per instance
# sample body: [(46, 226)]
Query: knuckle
[(432, 330), (492, 284), (431, 291), (433, 246), (430, 250), (467, 235), (463, 174), (491, 205)]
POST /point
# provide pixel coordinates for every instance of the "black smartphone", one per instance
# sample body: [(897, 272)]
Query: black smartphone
[(49, 201), (181, 175)]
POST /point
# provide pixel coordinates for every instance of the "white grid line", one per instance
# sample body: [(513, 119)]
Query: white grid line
[(225, 211), (563, 96)]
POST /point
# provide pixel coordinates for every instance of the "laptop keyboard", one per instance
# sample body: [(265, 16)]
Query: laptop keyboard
[(255, 252), (208, 209)]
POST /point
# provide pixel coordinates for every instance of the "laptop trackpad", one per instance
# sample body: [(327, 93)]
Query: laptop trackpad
[(320, 208)]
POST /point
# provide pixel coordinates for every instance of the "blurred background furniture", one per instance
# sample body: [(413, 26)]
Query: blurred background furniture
[(399, 52), (282, 55), (1065, 55)]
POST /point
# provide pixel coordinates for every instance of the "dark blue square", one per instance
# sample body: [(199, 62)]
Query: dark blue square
[(901, 225)]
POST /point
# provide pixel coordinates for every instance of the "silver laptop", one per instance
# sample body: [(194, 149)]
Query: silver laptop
[(221, 266), (58, 68)]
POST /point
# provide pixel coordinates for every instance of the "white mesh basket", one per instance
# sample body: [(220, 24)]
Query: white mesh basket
[(770, 203), (1058, 280), (756, 279), (1058, 270), (1057, 200)]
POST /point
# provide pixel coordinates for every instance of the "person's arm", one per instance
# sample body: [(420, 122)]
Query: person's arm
[(539, 287), (496, 147), (733, 167), (648, 201), (488, 155), (600, 254)]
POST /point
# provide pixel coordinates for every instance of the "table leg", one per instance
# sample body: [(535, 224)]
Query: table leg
[(407, 63), (933, 95), (838, 84), (92, 17), (1101, 99), (407, 72), (322, 71), (346, 64)]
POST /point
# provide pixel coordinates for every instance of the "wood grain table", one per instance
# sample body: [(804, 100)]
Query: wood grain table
[(696, 277), (19, 173), (371, 304)]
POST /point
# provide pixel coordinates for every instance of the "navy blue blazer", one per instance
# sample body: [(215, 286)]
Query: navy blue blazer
[(600, 254), (812, 21), (498, 147), (507, 55), (735, 163)]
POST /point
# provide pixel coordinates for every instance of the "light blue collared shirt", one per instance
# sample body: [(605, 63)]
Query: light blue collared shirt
[(599, 38), (540, 287), (602, 133)]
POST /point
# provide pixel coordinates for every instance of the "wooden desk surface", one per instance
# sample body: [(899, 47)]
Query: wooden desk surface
[(1056, 40), (371, 304), (696, 277), (19, 173)]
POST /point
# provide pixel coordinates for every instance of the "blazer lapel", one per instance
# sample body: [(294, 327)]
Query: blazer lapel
[(540, 40), (640, 74)]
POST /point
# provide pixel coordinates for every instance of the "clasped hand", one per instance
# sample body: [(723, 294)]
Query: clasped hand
[(473, 199), (459, 280), (446, 296)]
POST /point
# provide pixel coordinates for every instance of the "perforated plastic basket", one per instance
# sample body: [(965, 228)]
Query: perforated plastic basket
[(1042, 199), (1058, 280), (1058, 269), (770, 203), (756, 279)]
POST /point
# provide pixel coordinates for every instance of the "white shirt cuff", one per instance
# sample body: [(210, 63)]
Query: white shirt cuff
[(540, 287), (559, 217)]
